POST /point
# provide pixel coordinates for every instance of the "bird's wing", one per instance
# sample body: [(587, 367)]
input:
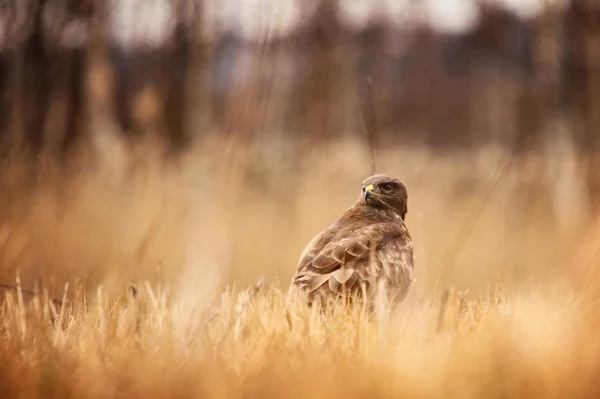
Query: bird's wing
[(349, 257), (315, 246)]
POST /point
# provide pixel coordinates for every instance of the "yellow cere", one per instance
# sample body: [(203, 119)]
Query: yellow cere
[(371, 189)]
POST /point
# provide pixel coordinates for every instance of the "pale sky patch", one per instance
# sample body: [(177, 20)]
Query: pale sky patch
[(150, 23), (357, 14), (141, 23), (529, 8), (259, 19), (451, 16)]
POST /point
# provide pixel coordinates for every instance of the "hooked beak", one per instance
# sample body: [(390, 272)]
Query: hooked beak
[(369, 193)]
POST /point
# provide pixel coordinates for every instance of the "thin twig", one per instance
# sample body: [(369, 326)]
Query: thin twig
[(369, 122)]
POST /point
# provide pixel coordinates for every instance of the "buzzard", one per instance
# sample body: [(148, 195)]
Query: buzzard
[(368, 247)]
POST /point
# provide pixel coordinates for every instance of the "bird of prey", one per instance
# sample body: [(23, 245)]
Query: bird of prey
[(367, 248)]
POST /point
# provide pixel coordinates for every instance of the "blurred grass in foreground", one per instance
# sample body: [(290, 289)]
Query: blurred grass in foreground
[(540, 342)]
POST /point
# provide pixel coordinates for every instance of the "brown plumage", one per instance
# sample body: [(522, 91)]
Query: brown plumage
[(368, 247)]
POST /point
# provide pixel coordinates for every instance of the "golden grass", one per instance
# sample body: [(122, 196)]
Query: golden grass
[(500, 313), (535, 343)]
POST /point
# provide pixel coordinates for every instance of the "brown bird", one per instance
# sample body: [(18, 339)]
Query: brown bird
[(368, 247)]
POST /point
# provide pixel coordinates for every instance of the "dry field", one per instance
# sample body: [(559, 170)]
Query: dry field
[(154, 273)]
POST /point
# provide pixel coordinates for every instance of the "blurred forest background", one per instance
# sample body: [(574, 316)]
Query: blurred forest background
[(489, 110)]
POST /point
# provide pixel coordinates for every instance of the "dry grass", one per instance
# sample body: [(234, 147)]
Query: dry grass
[(535, 343), (515, 321)]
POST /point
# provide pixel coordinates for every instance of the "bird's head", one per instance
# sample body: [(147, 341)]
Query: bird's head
[(386, 193)]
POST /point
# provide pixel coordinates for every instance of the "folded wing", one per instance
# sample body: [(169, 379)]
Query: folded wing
[(352, 261)]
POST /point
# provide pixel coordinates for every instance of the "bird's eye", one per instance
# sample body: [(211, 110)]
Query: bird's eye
[(387, 188)]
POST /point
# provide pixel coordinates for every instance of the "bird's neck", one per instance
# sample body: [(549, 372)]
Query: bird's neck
[(375, 214)]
